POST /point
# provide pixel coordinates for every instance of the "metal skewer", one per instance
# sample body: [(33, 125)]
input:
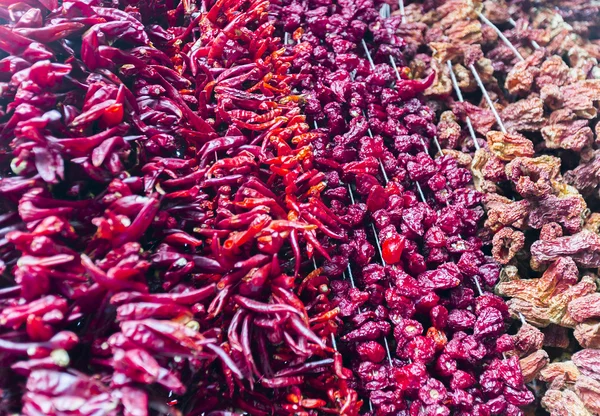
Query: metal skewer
[(461, 99), (487, 97), (533, 42), (500, 35), (401, 6)]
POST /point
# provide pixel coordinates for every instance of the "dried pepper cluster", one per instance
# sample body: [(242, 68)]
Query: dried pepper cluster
[(537, 166), (416, 301), (159, 203)]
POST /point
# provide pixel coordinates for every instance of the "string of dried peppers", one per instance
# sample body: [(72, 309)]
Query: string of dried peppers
[(159, 204)]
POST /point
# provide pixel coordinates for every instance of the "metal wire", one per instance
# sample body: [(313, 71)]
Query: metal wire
[(533, 42), (461, 99), (401, 6), (500, 35), (487, 97)]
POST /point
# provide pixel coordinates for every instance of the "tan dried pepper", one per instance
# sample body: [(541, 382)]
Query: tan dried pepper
[(506, 244), (539, 311), (508, 146), (463, 159), (588, 334), (566, 369), (550, 231), (581, 62), (558, 278), (564, 403), (581, 96), (445, 51), (442, 84), (536, 315), (521, 77), (558, 304), (504, 212), (572, 135), (562, 115), (551, 97), (454, 11), (481, 118), (412, 32), (588, 362), (585, 307), (532, 364), (524, 115), (553, 71), (485, 69), (449, 131), (592, 223), (464, 78), (586, 176), (567, 209), (588, 391), (496, 11), (583, 247), (468, 32), (481, 183), (534, 177)]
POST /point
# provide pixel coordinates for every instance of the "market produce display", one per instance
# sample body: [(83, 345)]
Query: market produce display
[(255, 207), (535, 168)]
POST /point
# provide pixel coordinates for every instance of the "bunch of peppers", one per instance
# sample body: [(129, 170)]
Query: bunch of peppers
[(421, 213), (160, 210), (537, 166)]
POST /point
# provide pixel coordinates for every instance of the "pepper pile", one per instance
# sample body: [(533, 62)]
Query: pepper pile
[(539, 176), (378, 137), (158, 192)]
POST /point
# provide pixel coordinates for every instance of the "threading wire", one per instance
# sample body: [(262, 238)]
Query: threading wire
[(461, 99), (487, 97), (401, 6), (500, 35), (533, 42)]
